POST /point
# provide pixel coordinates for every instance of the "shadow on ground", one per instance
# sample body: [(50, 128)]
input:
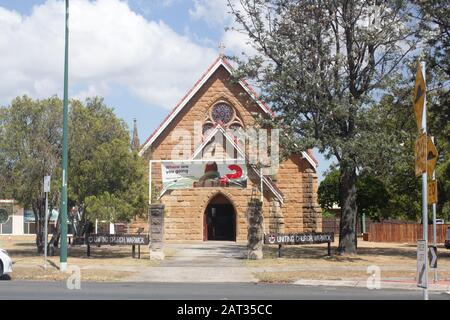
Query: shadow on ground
[(103, 252)]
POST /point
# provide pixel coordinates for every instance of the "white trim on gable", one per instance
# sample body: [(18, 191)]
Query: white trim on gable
[(192, 92), (240, 152), (309, 159), (218, 127)]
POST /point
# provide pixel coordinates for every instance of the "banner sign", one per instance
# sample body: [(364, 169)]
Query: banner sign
[(299, 238), (203, 174), (118, 239)]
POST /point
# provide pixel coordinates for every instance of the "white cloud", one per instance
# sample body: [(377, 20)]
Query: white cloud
[(109, 45), (217, 13), (214, 12)]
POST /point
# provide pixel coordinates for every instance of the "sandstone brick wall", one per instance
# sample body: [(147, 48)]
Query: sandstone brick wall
[(185, 208), (217, 88), (298, 182)]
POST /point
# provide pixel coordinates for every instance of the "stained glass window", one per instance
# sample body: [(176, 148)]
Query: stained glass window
[(222, 112)]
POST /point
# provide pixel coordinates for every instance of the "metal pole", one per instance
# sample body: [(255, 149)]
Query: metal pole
[(45, 231), (425, 193), (434, 225), (65, 153)]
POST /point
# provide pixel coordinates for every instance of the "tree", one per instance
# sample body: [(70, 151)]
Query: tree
[(328, 191), (435, 30), (372, 197), (30, 148), (107, 179), (321, 64)]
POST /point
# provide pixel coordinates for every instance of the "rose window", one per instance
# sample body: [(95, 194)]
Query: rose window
[(222, 112)]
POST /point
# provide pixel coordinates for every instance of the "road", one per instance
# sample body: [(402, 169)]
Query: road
[(204, 291)]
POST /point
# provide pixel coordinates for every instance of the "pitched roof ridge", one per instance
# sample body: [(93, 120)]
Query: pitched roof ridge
[(219, 61), (181, 100)]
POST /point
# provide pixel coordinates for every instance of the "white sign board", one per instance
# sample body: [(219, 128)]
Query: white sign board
[(433, 257), (47, 184), (422, 276)]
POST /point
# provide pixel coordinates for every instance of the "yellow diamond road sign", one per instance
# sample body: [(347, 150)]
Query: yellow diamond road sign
[(432, 156), (421, 154), (432, 191), (419, 96)]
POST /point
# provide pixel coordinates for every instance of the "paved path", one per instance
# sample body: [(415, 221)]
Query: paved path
[(57, 290), (202, 262)]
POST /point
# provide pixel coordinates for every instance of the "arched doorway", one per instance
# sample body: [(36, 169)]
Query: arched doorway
[(219, 221)]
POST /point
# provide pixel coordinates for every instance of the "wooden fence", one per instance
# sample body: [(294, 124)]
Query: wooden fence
[(332, 225), (404, 232), (391, 231)]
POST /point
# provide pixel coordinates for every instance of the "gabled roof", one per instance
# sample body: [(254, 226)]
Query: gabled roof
[(267, 181), (220, 61)]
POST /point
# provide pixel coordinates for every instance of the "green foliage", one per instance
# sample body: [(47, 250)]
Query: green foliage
[(30, 148), (322, 65), (328, 191), (106, 178), (116, 183), (372, 196)]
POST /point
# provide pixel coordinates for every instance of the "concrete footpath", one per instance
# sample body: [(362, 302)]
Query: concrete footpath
[(442, 286), (201, 262), (222, 262)]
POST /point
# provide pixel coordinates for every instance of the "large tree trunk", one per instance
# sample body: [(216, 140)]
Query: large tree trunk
[(347, 227), (39, 242), (54, 241), (39, 223)]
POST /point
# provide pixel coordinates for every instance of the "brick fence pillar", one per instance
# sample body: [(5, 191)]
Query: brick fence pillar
[(255, 234), (156, 230)]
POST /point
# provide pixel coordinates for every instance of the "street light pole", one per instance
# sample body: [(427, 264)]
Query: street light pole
[(65, 153)]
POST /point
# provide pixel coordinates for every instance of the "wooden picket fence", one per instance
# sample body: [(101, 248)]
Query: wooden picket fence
[(404, 232)]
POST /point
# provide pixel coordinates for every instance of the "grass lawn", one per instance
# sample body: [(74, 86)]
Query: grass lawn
[(396, 261), (106, 263)]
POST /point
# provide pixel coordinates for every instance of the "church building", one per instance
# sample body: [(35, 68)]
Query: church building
[(201, 171)]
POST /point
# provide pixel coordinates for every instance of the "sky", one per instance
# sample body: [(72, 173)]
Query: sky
[(142, 56)]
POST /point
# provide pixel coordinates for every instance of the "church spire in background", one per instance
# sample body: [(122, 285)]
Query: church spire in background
[(135, 142)]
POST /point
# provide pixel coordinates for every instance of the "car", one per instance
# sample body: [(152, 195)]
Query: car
[(447, 239), (5, 264)]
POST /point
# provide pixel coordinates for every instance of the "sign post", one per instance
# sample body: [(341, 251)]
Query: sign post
[(433, 200), (46, 191), (420, 112)]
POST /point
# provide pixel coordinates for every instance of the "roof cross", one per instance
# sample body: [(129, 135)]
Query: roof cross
[(221, 49)]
